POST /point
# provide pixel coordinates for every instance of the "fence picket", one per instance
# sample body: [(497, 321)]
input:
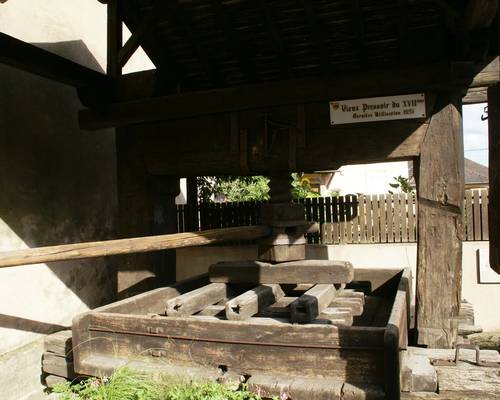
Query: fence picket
[(383, 218), (328, 219), (321, 210), (390, 218), (404, 216), (396, 218), (476, 206), (484, 215), (362, 218), (348, 218), (335, 220), (375, 218), (341, 215), (411, 217), (469, 215)]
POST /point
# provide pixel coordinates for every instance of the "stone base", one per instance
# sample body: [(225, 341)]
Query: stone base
[(282, 253)]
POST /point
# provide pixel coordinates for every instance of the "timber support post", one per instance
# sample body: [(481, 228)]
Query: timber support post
[(494, 175), (115, 38), (440, 192), (165, 189)]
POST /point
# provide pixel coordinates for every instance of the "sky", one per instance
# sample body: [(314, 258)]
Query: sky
[(475, 133)]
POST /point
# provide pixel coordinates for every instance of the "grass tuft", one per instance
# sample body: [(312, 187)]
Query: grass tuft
[(126, 384)]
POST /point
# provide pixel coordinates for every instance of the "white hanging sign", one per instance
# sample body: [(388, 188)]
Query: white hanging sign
[(354, 111)]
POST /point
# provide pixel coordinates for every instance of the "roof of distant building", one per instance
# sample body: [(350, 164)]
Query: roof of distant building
[(475, 172)]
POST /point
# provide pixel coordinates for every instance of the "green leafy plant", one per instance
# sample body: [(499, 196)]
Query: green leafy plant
[(402, 184), (126, 384), (301, 187), (247, 188)]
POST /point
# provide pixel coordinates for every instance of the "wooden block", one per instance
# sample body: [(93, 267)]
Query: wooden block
[(53, 364), (279, 309), (356, 305), (196, 300), (351, 293), (213, 311), (338, 314), (59, 343), (310, 305), (282, 252), (466, 355), (251, 302), (297, 272), (417, 374), (51, 380), (295, 388), (355, 391), (270, 212)]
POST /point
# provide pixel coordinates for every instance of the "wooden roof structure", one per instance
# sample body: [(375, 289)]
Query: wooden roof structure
[(211, 44)]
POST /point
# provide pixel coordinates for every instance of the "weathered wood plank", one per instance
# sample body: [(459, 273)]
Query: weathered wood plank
[(354, 304), (304, 271), (383, 217), (196, 300), (375, 217), (292, 349), (440, 199), (484, 214), (362, 218), (127, 246), (477, 214), (310, 305), (59, 343), (54, 364), (411, 217), (469, 215), (251, 302), (213, 311), (337, 315), (390, 218), (153, 301), (494, 175), (397, 217), (411, 79)]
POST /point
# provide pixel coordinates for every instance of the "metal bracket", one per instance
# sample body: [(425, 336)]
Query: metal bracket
[(437, 362)]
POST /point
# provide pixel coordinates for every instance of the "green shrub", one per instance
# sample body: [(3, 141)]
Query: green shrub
[(126, 384)]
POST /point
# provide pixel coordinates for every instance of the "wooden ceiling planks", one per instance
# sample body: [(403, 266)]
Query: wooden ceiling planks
[(224, 43)]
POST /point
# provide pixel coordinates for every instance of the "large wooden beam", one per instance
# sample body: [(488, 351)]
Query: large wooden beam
[(494, 175), (127, 246), (439, 257), (479, 14), (488, 76), (115, 37), (290, 92), (35, 60)]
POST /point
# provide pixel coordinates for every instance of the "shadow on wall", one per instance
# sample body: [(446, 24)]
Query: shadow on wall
[(57, 183)]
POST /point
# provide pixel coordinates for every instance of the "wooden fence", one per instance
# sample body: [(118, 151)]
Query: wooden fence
[(383, 218)]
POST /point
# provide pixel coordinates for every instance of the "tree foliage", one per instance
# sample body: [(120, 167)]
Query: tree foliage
[(401, 183), (247, 188)]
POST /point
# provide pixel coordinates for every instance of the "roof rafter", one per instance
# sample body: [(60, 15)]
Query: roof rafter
[(247, 65), (168, 69), (32, 59), (359, 30), (275, 34), (314, 26), (182, 19)]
